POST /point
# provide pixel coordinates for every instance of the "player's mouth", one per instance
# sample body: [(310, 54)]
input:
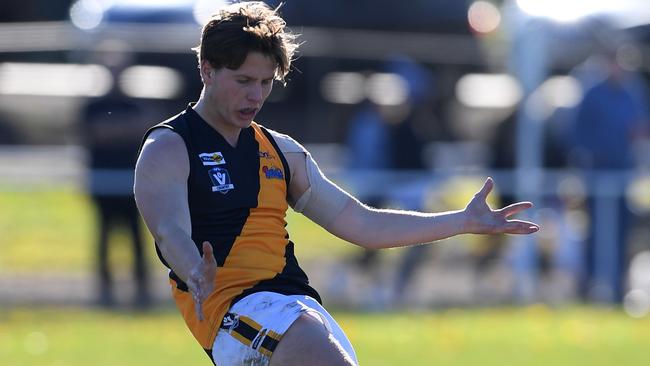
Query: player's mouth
[(247, 113)]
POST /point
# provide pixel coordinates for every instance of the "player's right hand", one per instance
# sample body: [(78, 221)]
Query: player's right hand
[(201, 279), (481, 219)]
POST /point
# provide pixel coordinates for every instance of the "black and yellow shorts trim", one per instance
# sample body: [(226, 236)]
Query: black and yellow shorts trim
[(252, 329), (250, 333)]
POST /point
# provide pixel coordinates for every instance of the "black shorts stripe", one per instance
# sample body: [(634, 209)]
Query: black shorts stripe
[(270, 343), (249, 332), (245, 330)]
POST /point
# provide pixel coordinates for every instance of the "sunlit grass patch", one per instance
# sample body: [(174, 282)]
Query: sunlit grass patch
[(515, 336)]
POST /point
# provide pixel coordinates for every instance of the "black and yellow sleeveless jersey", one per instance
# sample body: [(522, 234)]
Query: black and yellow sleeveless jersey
[(237, 198)]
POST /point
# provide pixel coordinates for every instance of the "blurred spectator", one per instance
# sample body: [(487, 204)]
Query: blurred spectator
[(368, 146), (368, 139), (9, 135), (612, 116), (112, 126), (558, 257), (384, 137)]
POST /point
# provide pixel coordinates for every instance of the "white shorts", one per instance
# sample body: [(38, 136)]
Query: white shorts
[(254, 325)]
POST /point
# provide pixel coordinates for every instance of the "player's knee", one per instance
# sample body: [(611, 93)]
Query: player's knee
[(308, 341)]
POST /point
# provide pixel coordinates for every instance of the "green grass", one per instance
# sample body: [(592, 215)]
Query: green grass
[(81, 337), (43, 231), (55, 230), (521, 336)]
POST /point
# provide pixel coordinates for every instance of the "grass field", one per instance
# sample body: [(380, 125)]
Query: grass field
[(521, 336), (53, 231)]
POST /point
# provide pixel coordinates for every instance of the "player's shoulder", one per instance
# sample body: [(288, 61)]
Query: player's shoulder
[(163, 137), (163, 144), (167, 131), (286, 143)]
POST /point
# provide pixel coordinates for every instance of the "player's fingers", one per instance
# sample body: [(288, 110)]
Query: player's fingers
[(197, 296), (486, 189), (515, 208), (199, 310), (194, 286), (520, 227)]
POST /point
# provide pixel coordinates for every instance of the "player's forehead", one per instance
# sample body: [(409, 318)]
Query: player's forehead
[(256, 65)]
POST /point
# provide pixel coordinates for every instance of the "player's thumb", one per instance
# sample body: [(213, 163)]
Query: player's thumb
[(486, 189), (208, 252)]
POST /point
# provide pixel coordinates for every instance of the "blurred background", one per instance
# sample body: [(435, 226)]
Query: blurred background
[(407, 105)]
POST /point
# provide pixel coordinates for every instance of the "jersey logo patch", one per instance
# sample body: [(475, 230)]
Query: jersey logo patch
[(213, 158), (266, 155), (272, 172), (230, 322), (220, 180)]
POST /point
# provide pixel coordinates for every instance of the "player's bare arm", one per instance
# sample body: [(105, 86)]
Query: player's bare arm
[(161, 195), (351, 220)]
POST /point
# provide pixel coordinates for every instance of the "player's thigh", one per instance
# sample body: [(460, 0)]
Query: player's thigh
[(308, 342), (319, 312)]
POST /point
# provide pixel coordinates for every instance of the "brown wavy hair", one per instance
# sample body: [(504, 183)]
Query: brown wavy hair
[(245, 27)]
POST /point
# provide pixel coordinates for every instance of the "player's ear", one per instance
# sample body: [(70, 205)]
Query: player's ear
[(207, 72)]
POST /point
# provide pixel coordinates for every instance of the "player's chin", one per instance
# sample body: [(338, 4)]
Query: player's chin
[(243, 122)]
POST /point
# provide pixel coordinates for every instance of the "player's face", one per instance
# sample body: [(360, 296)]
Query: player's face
[(237, 95)]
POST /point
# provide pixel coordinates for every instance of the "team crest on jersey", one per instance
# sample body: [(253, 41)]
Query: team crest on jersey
[(212, 158), (220, 180), (272, 172)]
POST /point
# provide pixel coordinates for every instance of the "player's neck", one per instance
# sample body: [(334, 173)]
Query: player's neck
[(229, 132)]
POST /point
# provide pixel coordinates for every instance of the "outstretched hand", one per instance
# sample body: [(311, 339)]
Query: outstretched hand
[(201, 279), (481, 219)]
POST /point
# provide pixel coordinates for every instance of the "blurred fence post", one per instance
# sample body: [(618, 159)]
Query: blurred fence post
[(529, 60), (608, 188)]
